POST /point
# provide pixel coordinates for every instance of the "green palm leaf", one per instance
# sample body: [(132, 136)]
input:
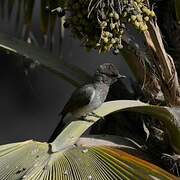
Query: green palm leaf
[(65, 158), (168, 116), (33, 160)]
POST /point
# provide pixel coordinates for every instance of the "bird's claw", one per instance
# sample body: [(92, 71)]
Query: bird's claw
[(93, 114), (84, 118)]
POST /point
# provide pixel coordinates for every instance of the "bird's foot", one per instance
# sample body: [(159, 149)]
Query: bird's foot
[(84, 118), (93, 114)]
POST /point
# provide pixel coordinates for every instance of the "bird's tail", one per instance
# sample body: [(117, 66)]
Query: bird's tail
[(57, 131)]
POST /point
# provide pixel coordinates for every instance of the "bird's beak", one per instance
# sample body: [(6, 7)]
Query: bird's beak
[(121, 76)]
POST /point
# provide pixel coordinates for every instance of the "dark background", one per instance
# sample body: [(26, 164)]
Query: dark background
[(31, 99)]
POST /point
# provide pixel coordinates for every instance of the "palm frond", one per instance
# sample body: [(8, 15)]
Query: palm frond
[(168, 116), (34, 160), (71, 73), (65, 158)]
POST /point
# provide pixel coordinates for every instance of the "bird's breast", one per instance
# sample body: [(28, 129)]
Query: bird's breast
[(97, 98), (100, 95)]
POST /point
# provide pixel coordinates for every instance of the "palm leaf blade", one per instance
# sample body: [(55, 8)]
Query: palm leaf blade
[(168, 116), (34, 160)]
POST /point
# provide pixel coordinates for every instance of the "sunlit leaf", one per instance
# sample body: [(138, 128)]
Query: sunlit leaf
[(68, 158), (33, 160), (170, 117)]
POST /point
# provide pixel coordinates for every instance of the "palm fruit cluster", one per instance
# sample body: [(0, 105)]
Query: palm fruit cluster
[(100, 24)]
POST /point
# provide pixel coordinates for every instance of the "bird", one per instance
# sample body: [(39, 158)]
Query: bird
[(85, 99)]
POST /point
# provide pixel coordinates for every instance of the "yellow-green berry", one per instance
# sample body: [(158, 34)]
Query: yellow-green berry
[(105, 40), (103, 24), (120, 46), (106, 33), (116, 16), (140, 5), (139, 18), (113, 41), (133, 17), (146, 18), (110, 35), (143, 27), (112, 26), (124, 14), (152, 13), (121, 31), (111, 15), (145, 9), (136, 23)]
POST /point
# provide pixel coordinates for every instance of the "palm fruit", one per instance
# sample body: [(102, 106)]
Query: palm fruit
[(100, 24)]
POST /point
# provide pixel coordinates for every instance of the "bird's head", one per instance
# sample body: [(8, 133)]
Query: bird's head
[(107, 73)]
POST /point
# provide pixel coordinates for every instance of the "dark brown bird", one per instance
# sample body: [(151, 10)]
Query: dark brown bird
[(88, 97)]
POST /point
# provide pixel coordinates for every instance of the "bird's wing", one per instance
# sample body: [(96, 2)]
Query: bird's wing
[(80, 98)]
